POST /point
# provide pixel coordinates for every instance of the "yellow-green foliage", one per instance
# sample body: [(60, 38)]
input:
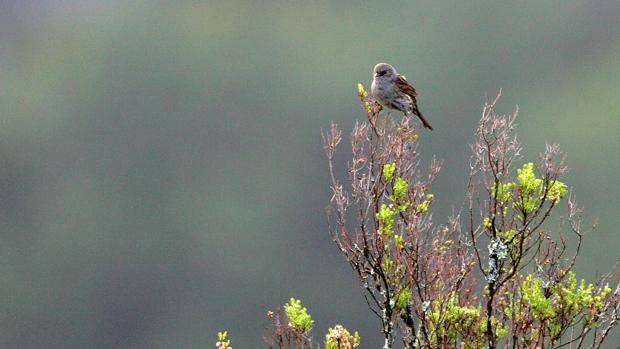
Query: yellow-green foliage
[(533, 295), (385, 216), (398, 241), (526, 192), (403, 298), (573, 300), (222, 340), (422, 207), (388, 171), (400, 190), (531, 188), (560, 303), (567, 297), (487, 222), (298, 316), (361, 92), (388, 265), (453, 322), (504, 192), (339, 337)]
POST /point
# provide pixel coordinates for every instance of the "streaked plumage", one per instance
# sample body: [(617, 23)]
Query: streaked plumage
[(393, 91)]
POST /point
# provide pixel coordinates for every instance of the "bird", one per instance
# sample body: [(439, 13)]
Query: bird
[(393, 91)]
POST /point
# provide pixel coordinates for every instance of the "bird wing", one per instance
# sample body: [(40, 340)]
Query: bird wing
[(404, 86)]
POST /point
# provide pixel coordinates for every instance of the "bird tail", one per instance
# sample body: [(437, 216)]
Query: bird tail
[(417, 113)]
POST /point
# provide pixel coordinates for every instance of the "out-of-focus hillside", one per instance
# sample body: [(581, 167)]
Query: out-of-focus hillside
[(162, 172)]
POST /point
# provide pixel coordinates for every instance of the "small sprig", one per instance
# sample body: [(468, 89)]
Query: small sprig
[(339, 337), (361, 92), (298, 316), (222, 340)]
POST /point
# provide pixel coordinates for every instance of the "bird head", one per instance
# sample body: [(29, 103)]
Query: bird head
[(384, 70)]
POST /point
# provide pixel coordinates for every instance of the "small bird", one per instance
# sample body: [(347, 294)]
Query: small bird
[(393, 91)]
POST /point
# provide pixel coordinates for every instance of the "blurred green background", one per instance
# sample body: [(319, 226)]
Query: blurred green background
[(162, 175)]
